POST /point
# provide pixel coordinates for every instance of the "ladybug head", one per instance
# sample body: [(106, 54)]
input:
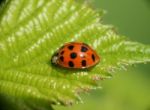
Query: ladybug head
[(54, 58)]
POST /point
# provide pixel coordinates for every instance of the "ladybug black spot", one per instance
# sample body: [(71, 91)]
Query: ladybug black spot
[(84, 49), (70, 47), (93, 57), (61, 58), (83, 62), (62, 52), (71, 64), (73, 55)]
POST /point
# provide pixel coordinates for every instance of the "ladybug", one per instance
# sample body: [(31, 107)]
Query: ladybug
[(75, 55)]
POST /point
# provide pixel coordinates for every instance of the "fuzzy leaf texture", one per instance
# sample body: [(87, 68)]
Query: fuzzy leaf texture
[(32, 30)]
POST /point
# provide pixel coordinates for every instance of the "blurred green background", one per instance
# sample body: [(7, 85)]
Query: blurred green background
[(129, 90)]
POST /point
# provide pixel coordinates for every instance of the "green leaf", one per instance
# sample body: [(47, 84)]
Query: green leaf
[(32, 30)]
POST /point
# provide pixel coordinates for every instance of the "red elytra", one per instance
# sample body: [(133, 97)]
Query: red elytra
[(75, 55)]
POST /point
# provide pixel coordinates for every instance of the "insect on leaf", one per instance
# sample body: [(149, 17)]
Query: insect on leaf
[(32, 30)]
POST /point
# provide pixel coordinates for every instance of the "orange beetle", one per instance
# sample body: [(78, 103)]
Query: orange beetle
[(75, 55)]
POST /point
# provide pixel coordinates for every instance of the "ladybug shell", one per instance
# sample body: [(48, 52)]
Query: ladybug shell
[(75, 55)]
